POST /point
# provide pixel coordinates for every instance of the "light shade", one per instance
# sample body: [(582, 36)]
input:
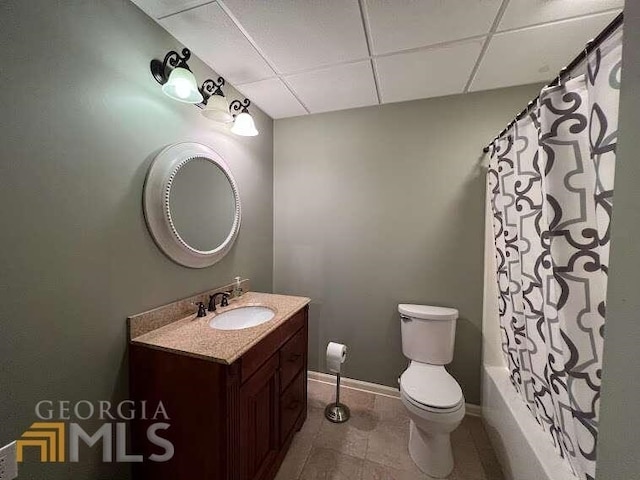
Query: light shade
[(217, 109), (243, 125), (182, 86)]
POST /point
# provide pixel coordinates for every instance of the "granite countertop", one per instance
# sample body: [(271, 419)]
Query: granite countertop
[(192, 335)]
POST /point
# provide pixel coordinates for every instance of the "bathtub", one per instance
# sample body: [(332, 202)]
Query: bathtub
[(523, 448)]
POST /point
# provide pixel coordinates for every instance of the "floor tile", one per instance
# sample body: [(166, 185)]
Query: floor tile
[(319, 394), (390, 410), (325, 464), (357, 399), (481, 441), (375, 471), (388, 445), (373, 444), (465, 455), (363, 420), (312, 424), (345, 438), (296, 458)]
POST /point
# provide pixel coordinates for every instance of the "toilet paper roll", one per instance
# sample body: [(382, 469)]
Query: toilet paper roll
[(336, 355)]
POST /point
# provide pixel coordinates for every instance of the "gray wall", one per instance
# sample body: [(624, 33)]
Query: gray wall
[(384, 205), (619, 437), (81, 120)]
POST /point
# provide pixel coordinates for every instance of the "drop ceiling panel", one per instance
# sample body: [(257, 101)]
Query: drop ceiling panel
[(160, 8), (421, 48), (522, 13), (273, 97), (336, 88), (405, 24), (427, 73), (535, 54), (303, 34), (213, 37)]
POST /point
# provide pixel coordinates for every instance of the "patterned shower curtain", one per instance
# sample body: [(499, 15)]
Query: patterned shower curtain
[(550, 183)]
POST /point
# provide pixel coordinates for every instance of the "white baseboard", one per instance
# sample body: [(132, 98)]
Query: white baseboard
[(473, 410), (376, 389)]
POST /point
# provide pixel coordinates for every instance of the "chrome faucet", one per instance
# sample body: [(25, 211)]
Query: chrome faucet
[(223, 303)]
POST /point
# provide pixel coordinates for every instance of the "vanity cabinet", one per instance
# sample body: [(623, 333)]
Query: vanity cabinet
[(259, 413), (227, 422)]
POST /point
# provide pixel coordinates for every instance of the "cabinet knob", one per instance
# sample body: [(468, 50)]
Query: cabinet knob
[(293, 357)]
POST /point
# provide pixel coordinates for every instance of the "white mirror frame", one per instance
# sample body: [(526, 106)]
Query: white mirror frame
[(157, 211)]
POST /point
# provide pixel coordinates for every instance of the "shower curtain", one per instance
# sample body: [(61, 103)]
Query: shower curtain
[(550, 183)]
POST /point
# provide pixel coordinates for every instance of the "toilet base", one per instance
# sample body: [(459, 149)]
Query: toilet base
[(431, 453)]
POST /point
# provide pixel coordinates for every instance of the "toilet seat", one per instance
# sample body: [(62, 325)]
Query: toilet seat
[(428, 409), (431, 387)]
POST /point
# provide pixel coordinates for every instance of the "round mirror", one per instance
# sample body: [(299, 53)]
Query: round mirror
[(202, 204), (191, 204)]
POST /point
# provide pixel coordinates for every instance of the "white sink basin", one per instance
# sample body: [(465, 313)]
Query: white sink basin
[(241, 317)]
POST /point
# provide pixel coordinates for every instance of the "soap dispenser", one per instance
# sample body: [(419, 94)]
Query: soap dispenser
[(237, 289)]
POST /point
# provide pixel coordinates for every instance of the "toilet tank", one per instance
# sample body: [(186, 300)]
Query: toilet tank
[(428, 333)]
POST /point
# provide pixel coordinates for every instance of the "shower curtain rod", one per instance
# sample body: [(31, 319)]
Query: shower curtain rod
[(591, 46)]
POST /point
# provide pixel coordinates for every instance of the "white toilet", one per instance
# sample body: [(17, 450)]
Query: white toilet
[(431, 396)]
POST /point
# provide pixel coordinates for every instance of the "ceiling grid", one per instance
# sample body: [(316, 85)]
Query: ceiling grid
[(266, 59), (311, 56), (367, 34), (485, 46)]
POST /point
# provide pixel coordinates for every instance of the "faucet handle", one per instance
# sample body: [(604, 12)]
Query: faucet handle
[(225, 299), (202, 311)]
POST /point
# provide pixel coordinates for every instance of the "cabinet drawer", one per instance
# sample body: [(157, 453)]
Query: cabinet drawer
[(259, 354), (292, 358), (292, 403)]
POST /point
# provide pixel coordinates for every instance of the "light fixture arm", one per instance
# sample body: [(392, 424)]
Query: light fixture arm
[(239, 106), (211, 87), (161, 69)]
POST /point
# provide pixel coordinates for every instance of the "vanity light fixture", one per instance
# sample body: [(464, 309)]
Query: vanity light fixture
[(243, 124), (216, 107), (175, 76), (177, 81)]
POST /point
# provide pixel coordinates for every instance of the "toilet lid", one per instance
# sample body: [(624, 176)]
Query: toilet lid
[(430, 385), (428, 312)]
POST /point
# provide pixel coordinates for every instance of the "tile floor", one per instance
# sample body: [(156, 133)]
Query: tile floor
[(372, 445)]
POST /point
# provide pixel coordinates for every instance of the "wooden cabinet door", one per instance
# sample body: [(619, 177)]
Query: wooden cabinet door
[(260, 422)]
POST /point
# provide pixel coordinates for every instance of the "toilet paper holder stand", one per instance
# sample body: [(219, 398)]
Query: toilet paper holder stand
[(337, 412)]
